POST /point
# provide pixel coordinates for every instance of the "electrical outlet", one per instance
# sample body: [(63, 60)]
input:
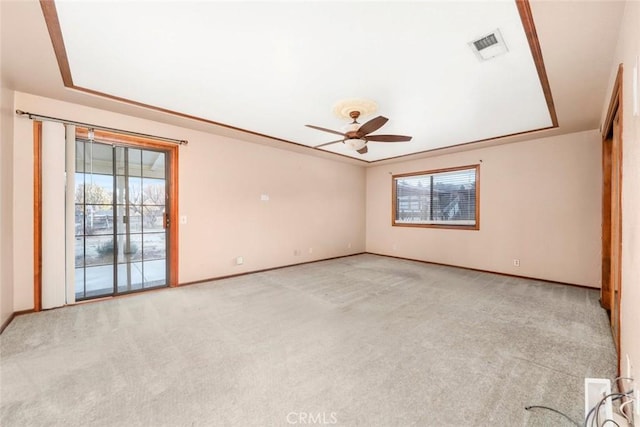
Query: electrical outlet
[(516, 262), (239, 260), (349, 245), (310, 250)]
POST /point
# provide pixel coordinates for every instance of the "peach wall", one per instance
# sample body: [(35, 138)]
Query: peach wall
[(539, 203), (6, 195), (315, 205), (627, 52)]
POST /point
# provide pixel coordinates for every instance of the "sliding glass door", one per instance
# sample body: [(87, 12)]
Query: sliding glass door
[(121, 233)]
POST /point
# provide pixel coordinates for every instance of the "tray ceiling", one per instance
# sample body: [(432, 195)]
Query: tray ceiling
[(272, 67)]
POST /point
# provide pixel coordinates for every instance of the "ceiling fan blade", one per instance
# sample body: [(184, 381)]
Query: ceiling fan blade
[(363, 150), (372, 125), (327, 143), (325, 129), (388, 138)]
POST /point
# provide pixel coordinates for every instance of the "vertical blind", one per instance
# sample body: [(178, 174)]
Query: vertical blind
[(53, 215)]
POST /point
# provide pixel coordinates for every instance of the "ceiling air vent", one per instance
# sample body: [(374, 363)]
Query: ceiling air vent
[(489, 46)]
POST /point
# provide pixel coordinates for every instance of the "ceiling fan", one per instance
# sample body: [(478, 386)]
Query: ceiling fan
[(357, 135)]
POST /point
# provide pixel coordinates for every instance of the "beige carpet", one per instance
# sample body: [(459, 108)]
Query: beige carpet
[(363, 340)]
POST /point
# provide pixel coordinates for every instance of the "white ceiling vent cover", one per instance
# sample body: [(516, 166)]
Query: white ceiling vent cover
[(489, 46)]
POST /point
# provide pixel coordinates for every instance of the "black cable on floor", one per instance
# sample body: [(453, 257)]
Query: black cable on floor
[(554, 410), (596, 408)]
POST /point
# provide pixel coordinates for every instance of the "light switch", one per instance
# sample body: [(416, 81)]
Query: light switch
[(183, 219)]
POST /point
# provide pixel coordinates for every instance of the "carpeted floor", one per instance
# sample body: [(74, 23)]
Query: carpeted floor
[(363, 340)]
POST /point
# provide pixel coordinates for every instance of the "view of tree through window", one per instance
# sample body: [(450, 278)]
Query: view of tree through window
[(120, 202), (439, 198)]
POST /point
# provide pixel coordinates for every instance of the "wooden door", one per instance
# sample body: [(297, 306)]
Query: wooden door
[(616, 230), (611, 292)]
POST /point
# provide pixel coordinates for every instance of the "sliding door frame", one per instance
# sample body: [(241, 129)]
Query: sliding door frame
[(37, 216), (113, 138)]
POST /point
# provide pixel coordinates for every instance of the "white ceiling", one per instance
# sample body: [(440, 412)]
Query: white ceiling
[(272, 67)]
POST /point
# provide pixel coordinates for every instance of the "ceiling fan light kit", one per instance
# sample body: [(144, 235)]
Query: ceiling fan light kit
[(355, 144), (356, 136)]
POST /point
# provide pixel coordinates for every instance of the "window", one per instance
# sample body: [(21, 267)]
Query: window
[(446, 198)]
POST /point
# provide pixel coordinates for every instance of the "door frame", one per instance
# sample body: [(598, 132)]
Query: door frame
[(172, 151), (612, 209)]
